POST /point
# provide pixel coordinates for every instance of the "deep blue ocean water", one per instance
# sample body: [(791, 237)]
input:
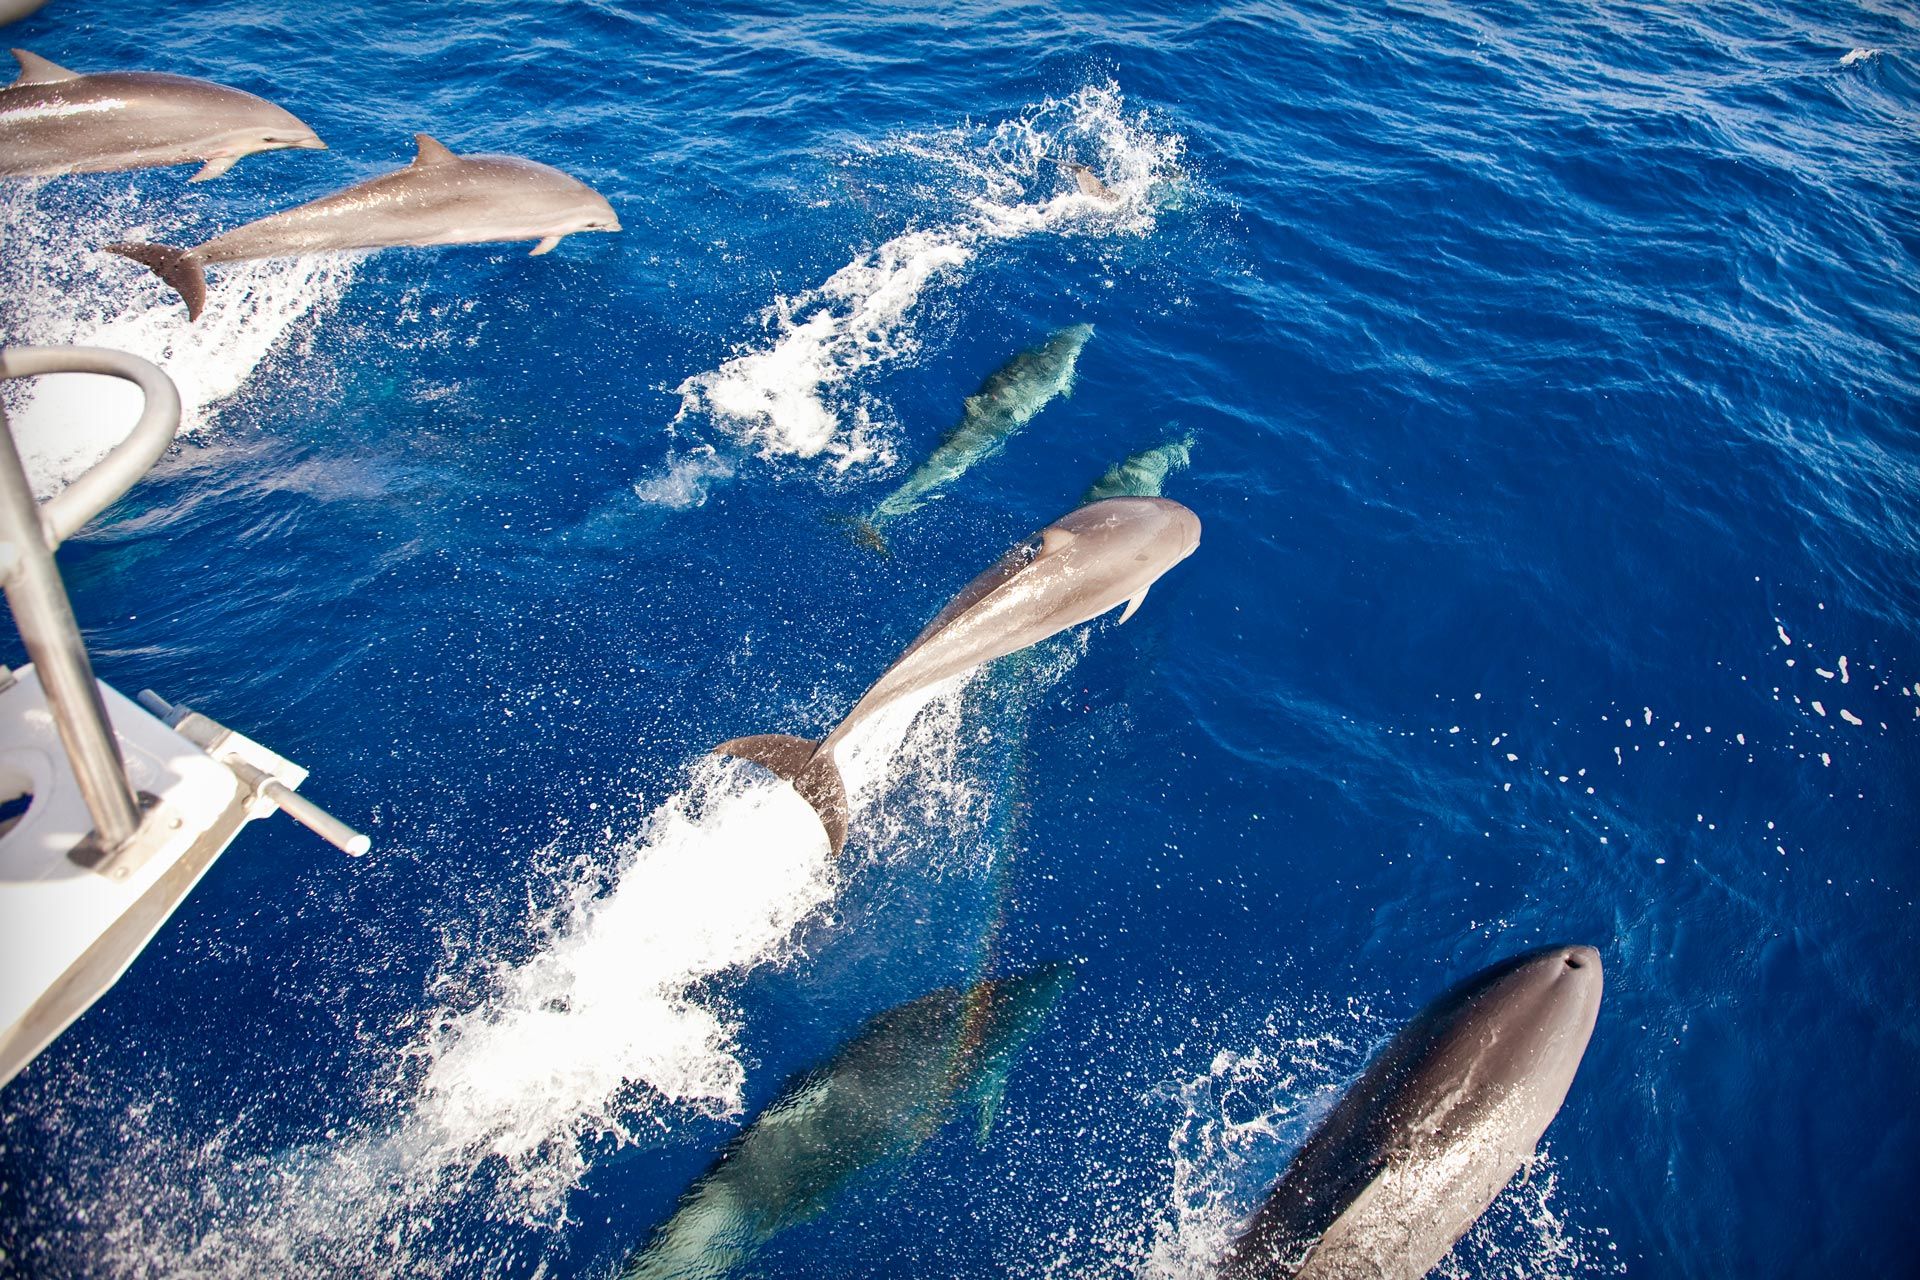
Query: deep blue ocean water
[(1552, 372)]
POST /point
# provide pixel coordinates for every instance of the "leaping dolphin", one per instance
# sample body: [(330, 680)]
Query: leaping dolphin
[(889, 1090), (440, 198), (55, 121), (1087, 562), (1434, 1129), (1005, 402)]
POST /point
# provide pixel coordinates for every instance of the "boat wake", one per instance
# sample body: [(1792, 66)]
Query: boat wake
[(618, 1025), (800, 391), (58, 288)]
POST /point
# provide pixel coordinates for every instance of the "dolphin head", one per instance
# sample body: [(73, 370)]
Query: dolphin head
[(1519, 1028), (588, 210), (1128, 540), (253, 125)]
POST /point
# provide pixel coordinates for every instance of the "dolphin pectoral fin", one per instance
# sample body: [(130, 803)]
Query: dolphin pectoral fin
[(178, 267), (811, 771), (990, 1098), (1131, 606), (430, 151), (35, 69), (214, 168), (545, 246)]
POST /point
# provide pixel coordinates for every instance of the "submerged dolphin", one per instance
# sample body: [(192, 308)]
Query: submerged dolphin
[(1074, 570), (1005, 402), (1435, 1128), (440, 198), (55, 121), (1144, 474), (889, 1090)]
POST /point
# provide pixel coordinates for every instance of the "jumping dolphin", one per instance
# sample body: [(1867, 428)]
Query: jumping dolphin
[(1144, 474), (1436, 1127), (55, 121), (889, 1090), (1074, 570), (440, 198), (1005, 402)]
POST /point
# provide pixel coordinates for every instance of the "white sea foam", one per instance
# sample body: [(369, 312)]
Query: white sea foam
[(58, 288), (799, 391), (615, 1025), (684, 479)]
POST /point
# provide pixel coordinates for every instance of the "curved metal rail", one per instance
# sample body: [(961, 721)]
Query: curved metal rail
[(29, 532)]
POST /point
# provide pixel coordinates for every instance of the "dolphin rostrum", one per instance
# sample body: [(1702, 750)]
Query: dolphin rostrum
[(1083, 564), (1436, 1126), (55, 121), (440, 198), (1144, 474), (1005, 402), (889, 1090)]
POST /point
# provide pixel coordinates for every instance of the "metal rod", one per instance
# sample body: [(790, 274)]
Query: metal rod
[(302, 810), (52, 639)]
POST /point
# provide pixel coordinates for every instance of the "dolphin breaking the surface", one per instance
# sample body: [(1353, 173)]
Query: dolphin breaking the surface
[(1436, 1126), (440, 198), (891, 1088), (1089, 561), (1005, 402), (55, 121), (1143, 474)]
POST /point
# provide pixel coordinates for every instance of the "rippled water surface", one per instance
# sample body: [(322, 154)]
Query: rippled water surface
[(1552, 376)]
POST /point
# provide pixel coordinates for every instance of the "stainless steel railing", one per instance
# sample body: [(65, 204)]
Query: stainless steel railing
[(29, 533)]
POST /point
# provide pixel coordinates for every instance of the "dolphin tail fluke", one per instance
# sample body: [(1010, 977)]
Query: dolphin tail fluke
[(865, 531), (811, 771), (178, 267)]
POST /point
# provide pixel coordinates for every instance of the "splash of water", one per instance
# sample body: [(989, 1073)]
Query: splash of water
[(55, 289), (798, 392)]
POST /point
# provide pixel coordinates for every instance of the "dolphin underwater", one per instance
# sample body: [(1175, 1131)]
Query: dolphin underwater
[(440, 198), (55, 121), (1005, 402), (892, 1087), (1083, 564), (1144, 474), (1433, 1131)]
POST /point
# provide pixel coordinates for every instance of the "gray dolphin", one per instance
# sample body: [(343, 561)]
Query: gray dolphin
[(1089, 182), (1005, 402), (1434, 1129), (1085, 563), (1144, 474), (14, 10), (891, 1088), (55, 121), (440, 198)]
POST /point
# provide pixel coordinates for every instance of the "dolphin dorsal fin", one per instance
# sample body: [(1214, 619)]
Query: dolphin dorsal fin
[(35, 69), (431, 151), (1054, 540)]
